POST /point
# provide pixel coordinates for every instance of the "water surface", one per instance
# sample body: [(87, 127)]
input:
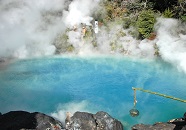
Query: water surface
[(93, 84)]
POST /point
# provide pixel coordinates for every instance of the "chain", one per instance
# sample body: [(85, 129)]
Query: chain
[(135, 101)]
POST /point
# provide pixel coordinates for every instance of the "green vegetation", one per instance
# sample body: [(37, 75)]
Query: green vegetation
[(113, 10), (145, 22), (137, 16), (62, 44), (142, 14), (168, 13), (70, 48)]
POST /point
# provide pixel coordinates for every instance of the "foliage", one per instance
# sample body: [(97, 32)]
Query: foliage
[(183, 18), (129, 21), (162, 5), (113, 45), (114, 10), (168, 13), (180, 13), (134, 7), (156, 50), (70, 48), (145, 22), (182, 4), (134, 33), (121, 34), (61, 43)]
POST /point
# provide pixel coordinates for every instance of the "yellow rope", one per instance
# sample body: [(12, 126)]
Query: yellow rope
[(159, 94)]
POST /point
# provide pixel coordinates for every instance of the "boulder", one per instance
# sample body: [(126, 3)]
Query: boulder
[(21, 120), (104, 120), (87, 121)]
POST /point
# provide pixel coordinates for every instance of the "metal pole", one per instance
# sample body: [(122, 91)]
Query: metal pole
[(159, 94)]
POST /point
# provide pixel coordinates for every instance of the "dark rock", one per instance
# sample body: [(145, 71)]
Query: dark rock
[(105, 121), (16, 120), (157, 126), (2, 60), (180, 123), (82, 120), (174, 124), (98, 121)]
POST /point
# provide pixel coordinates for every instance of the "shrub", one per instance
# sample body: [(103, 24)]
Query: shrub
[(145, 22), (168, 13)]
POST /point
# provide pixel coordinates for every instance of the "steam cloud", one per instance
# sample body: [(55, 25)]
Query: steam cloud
[(171, 41), (29, 29), (79, 12), (72, 107)]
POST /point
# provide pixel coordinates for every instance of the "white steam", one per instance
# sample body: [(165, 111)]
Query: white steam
[(172, 42), (118, 40), (72, 107), (27, 28), (80, 12)]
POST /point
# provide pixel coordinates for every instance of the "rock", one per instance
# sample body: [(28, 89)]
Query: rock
[(16, 120), (82, 120), (157, 126), (105, 121), (180, 123), (2, 60), (98, 121), (174, 124)]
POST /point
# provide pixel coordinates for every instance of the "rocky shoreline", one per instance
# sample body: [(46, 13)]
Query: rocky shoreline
[(22, 120)]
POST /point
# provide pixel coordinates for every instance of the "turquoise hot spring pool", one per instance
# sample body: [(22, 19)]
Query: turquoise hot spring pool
[(57, 84)]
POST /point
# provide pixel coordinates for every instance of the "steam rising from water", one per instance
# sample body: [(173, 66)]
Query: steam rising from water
[(29, 29), (79, 12), (72, 107), (171, 41)]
